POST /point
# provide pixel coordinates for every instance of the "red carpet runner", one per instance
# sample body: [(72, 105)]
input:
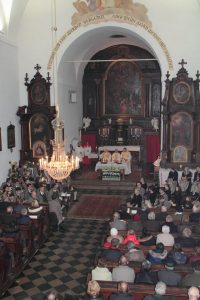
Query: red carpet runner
[(95, 207)]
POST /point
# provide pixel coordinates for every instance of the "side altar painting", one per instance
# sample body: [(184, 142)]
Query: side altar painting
[(39, 134), (123, 89), (181, 130)]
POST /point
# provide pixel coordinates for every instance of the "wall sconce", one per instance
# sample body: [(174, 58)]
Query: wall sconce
[(72, 97)]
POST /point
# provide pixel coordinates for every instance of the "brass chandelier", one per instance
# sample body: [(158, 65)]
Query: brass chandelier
[(60, 165)]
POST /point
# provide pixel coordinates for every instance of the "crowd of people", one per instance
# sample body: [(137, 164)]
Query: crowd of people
[(157, 228)]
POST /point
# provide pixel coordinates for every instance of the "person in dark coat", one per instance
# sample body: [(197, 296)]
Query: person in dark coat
[(146, 238), (186, 240), (112, 253), (169, 222), (195, 215), (135, 200), (146, 275), (160, 291), (122, 293), (192, 279), (151, 223), (173, 174), (168, 276)]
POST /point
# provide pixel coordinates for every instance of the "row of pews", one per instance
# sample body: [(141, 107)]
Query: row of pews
[(13, 258), (139, 291)]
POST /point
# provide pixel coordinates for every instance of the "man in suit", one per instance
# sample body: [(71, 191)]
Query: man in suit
[(123, 271), (122, 293)]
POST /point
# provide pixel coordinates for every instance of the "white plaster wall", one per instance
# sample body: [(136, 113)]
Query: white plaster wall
[(9, 99), (177, 23)]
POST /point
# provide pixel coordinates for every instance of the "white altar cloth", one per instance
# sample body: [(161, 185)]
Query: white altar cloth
[(100, 166)]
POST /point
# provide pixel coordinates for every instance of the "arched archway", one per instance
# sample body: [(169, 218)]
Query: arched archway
[(80, 47)]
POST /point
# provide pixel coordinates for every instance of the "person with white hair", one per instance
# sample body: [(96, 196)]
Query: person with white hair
[(193, 293), (114, 235), (165, 237), (160, 291), (117, 223), (151, 223)]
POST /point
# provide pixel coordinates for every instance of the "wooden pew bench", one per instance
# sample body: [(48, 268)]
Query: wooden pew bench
[(139, 291)]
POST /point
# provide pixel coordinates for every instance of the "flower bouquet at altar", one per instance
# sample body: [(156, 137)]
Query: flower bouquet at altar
[(111, 173)]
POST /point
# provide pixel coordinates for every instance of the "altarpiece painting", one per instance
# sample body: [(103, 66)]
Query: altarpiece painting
[(123, 89)]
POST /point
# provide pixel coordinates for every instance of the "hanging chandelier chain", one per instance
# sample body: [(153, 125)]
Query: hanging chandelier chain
[(60, 165)]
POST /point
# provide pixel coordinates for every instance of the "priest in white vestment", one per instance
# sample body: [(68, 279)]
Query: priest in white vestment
[(116, 157), (126, 158), (105, 156)]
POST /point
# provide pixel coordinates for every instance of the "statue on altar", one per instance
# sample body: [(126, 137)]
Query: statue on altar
[(86, 122), (155, 124)]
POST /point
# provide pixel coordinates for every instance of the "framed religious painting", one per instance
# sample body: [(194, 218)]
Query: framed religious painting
[(39, 130), (39, 149), (180, 154), (181, 130), (123, 89), (155, 99), (181, 92), (11, 136)]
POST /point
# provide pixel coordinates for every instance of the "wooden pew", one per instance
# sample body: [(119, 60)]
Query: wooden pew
[(139, 291), (3, 266), (14, 246)]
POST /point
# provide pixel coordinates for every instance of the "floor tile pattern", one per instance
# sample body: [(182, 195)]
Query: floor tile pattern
[(62, 263)]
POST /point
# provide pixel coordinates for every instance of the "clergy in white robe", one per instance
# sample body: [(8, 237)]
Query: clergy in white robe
[(126, 158), (116, 157), (105, 156)]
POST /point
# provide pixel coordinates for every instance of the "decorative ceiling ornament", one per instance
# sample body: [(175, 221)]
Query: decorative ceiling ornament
[(109, 7)]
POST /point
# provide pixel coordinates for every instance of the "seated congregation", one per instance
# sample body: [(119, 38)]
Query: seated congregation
[(153, 244), (31, 207)]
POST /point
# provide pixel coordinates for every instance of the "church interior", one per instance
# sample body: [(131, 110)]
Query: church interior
[(99, 121)]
